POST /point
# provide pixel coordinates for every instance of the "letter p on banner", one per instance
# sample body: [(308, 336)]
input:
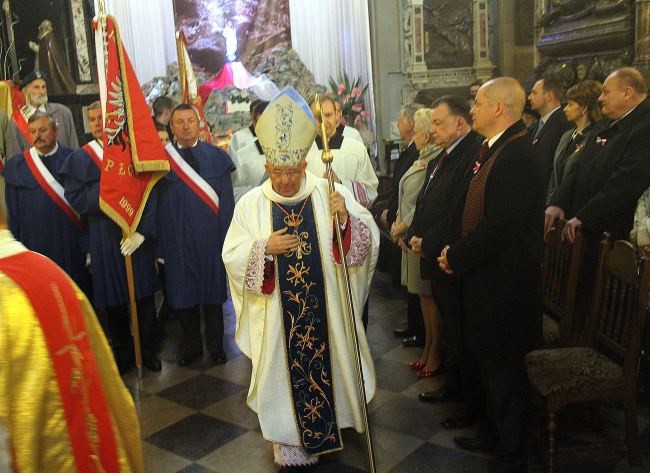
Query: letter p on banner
[(130, 139)]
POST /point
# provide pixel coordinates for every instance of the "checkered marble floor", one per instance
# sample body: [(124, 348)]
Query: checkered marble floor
[(195, 419)]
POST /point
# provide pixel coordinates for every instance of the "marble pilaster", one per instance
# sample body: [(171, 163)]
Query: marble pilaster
[(82, 44), (642, 36)]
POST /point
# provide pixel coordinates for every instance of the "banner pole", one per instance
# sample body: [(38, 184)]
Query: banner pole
[(133, 309)]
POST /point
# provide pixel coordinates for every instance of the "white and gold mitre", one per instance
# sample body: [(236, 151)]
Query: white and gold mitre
[(287, 128)]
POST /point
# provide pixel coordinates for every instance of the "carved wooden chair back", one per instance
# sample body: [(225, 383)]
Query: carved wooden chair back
[(560, 268)]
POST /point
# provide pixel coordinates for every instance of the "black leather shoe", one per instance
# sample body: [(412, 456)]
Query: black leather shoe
[(402, 332), (189, 358), (440, 395), (152, 362), (219, 358), (413, 341), (458, 421), (474, 444)]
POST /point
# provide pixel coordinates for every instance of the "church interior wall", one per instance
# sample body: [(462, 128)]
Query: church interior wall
[(390, 80)]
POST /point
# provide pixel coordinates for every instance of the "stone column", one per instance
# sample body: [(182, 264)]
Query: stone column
[(642, 36), (540, 9), (482, 65)]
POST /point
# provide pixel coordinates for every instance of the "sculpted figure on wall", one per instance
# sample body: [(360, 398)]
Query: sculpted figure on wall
[(448, 28), (565, 11), (50, 59)]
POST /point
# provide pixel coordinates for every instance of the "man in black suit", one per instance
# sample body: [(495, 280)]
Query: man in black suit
[(432, 227), (414, 331), (601, 191), (497, 261), (546, 99)]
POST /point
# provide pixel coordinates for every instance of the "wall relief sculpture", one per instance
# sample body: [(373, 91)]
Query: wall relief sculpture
[(446, 44), (585, 39), (563, 11), (448, 33)]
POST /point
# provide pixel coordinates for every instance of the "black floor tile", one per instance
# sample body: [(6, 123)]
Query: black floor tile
[(432, 458), (332, 466), (409, 416), (195, 468), (200, 391), (393, 375), (593, 461), (195, 436)]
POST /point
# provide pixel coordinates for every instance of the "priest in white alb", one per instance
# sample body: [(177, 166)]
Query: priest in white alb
[(249, 160), (352, 166), (287, 287)]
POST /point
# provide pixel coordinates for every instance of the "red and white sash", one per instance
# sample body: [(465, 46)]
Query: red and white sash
[(95, 151), (21, 122), (50, 185), (192, 179)]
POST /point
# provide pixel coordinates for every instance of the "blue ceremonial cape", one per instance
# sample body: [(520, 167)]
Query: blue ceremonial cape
[(107, 263), (191, 235), (40, 224)]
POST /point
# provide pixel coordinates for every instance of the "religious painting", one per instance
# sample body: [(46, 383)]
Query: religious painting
[(221, 31), (448, 33)]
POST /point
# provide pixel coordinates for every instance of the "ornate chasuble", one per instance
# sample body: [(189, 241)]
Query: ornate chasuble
[(85, 406), (306, 338)]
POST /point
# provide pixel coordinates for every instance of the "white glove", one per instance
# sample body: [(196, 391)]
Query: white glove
[(131, 243)]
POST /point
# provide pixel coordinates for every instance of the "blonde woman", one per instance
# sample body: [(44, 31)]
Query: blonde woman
[(428, 364)]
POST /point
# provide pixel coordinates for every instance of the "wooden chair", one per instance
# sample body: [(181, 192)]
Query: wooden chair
[(607, 368), (560, 268)]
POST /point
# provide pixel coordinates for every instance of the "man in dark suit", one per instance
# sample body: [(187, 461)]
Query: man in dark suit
[(414, 331), (497, 261), (546, 99), (601, 191), (432, 227)]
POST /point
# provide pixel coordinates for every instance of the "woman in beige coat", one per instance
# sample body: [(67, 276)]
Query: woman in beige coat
[(428, 364)]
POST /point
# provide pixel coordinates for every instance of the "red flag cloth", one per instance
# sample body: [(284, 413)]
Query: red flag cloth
[(224, 78), (189, 91), (17, 98), (134, 158)]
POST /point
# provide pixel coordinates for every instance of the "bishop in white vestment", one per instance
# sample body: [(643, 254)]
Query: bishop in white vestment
[(288, 292)]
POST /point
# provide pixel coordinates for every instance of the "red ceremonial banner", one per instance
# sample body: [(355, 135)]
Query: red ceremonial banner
[(189, 90), (134, 158)]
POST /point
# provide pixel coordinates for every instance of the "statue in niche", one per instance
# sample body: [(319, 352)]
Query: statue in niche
[(565, 11), (51, 61), (448, 28), (230, 34)]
